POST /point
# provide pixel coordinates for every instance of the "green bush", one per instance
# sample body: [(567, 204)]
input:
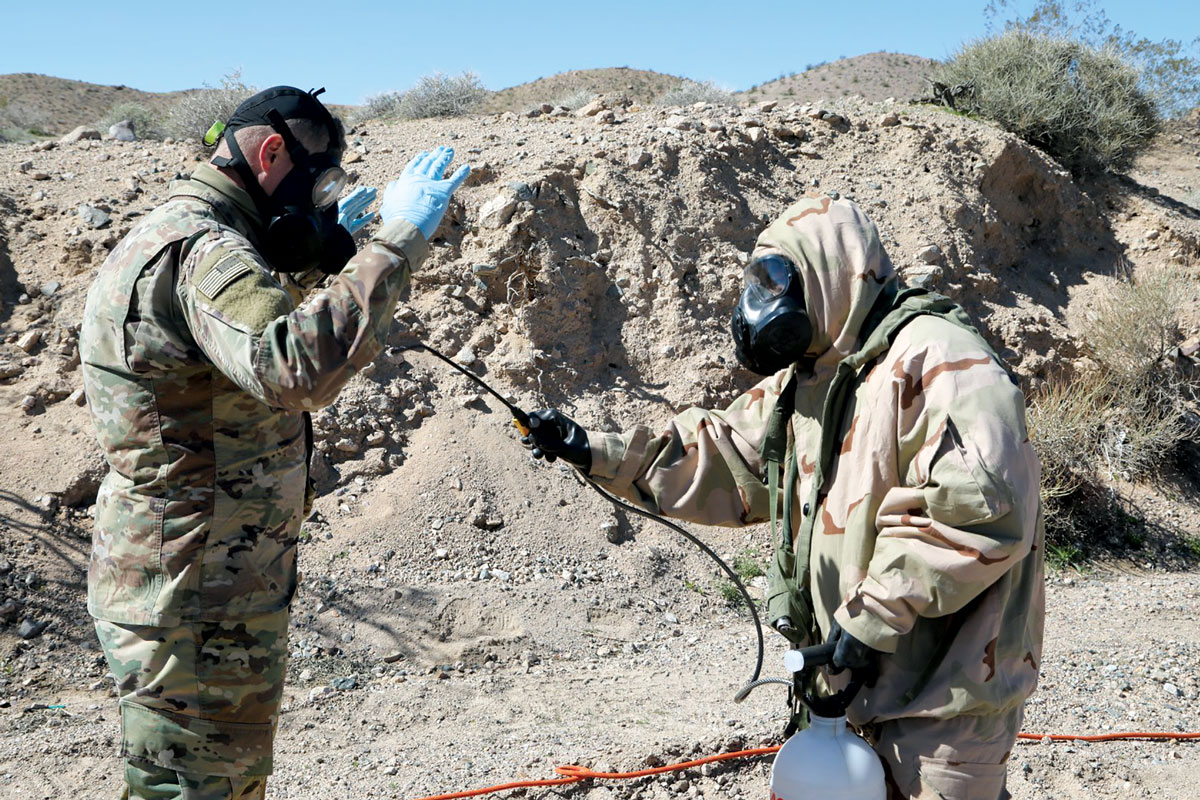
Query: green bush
[(194, 113), (1169, 69), (689, 92), (147, 124), (1082, 105)]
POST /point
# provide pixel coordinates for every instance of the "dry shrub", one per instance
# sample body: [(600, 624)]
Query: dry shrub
[(1126, 417), (689, 92), (1083, 105), (434, 95), (1135, 324), (194, 113), (21, 120)]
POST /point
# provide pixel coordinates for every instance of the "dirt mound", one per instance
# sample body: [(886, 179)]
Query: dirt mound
[(589, 263), (639, 85), (872, 76)]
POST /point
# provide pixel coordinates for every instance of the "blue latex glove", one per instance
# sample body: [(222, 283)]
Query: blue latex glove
[(352, 206), (420, 195)]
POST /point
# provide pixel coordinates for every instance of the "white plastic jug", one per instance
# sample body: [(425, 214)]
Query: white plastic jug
[(827, 761)]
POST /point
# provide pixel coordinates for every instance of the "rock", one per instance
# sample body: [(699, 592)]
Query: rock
[(93, 217), (123, 131), (50, 288), (31, 629), (82, 488), (466, 357), (679, 123), (590, 110), (346, 445), (834, 119), (344, 684), (393, 657), (889, 120), (42, 147), (768, 105), (783, 132), (756, 135), (39, 176), (1172, 690), (809, 152), (441, 554), (496, 212), (639, 159), (606, 118), (29, 340), (28, 403), (79, 134), (9, 369), (352, 157), (930, 255), (923, 277), (714, 126), (487, 522), (612, 531), (9, 610), (671, 618), (25, 166)]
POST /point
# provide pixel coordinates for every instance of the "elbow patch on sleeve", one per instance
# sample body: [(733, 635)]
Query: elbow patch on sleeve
[(240, 290)]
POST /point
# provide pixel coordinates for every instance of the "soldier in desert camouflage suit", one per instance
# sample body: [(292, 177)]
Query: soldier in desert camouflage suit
[(916, 495), (199, 359)]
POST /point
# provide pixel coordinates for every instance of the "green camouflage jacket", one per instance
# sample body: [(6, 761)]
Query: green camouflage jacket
[(198, 363), (927, 539)]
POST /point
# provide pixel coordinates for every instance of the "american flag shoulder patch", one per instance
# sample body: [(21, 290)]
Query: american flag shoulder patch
[(223, 273)]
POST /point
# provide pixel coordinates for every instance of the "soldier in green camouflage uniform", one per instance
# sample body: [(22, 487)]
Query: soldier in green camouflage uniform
[(915, 491), (199, 363)]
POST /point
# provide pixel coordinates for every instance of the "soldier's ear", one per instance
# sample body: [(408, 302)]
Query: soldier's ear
[(270, 150)]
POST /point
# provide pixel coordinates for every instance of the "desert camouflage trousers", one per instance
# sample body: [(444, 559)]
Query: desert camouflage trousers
[(199, 704), (963, 758)]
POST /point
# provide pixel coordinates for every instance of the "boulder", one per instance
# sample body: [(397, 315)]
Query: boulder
[(123, 131), (79, 134)]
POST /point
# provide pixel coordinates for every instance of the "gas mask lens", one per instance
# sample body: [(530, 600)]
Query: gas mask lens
[(768, 276), (328, 187)]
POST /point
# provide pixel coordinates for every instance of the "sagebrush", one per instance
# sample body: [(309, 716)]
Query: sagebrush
[(690, 92), (1169, 69), (434, 95), (1085, 106), (194, 113), (575, 99)]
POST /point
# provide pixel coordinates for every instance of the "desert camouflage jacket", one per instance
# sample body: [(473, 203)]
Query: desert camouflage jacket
[(927, 534), (198, 363)]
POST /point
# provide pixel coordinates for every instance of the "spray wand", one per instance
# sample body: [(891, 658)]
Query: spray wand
[(523, 424)]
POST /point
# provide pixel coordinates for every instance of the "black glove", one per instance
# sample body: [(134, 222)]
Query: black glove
[(552, 434), (861, 659)]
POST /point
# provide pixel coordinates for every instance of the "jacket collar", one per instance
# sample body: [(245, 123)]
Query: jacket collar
[(231, 201)]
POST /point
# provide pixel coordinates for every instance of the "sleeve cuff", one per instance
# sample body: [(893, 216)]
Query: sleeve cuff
[(405, 237), (867, 628), (608, 450)]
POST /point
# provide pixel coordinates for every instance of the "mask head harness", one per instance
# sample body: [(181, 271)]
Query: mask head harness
[(300, 229), (771, 328)]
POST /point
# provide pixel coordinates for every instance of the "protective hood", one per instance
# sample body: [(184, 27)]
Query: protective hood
[(837, 251)]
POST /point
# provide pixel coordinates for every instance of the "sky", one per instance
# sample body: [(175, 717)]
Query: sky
[(364, 47)]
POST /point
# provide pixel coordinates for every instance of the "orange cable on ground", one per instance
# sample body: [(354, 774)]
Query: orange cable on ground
[(574, 774)]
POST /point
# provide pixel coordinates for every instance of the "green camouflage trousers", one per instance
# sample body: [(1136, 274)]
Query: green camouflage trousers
[(199, 705), (962, 758)]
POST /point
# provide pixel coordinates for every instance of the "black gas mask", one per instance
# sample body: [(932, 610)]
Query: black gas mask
[(300, 228), (771, 328)]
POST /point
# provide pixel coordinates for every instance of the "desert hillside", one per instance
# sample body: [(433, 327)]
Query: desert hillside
[(874, 76), (467, 616)]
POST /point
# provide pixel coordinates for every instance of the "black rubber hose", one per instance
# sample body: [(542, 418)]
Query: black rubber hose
[(733, 576)]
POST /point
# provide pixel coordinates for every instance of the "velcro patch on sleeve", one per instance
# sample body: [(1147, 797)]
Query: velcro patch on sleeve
[(223, 273)]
